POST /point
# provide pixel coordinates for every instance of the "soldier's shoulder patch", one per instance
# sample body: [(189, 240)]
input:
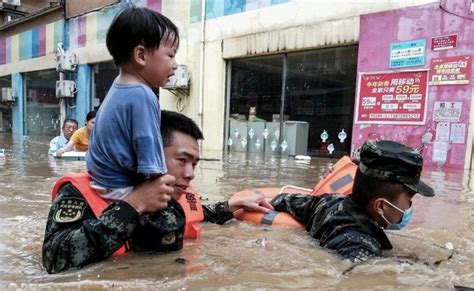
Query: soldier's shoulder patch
[(69, 210)]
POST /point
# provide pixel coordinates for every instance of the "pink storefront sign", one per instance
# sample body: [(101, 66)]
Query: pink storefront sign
[(393, 97)]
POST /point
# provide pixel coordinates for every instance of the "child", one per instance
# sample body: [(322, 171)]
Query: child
[(126, 145)]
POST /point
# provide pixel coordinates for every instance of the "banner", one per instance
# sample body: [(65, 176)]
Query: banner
[(444, 42), (450, 70), (392, 97)]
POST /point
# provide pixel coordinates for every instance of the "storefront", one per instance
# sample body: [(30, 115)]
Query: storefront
[(280, 75), (415, 85), (316, 89), (5, 106), (42, 114), (104, 75)]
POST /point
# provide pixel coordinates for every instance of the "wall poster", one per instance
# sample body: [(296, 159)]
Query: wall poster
[(444, 42), (407, 54), (447, 110), (450, 70), (392, 97)]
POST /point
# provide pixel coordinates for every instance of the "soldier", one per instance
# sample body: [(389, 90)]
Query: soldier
[(149, 219), (387, 178)]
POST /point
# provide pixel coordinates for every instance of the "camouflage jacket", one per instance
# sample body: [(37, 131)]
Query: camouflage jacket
[(338, 223), (75, 237)]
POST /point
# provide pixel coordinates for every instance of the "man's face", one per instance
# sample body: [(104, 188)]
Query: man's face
[(182, 156), (403, 202), (68, 129)]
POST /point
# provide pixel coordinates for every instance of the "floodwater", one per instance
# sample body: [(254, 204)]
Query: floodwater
[(435, 251)]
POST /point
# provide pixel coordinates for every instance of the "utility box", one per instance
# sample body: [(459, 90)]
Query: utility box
[(271, 135), (256, 141), (65, 89), (66, 61), (180, 79), (238, 136), (7, 95), (295, 134)]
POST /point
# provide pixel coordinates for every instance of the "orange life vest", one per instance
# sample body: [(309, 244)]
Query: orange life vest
[(339, 179), (189, 201)]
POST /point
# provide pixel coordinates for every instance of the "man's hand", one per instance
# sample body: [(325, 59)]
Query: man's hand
[(60, 152), (250, 200), (152, 195)]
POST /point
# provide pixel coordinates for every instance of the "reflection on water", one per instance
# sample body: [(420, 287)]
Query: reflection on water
[(436, 250)]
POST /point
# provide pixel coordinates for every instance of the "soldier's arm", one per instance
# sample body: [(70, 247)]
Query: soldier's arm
[(74, 237), (252, 200), (217, 212), (354, 246), (300, 206)]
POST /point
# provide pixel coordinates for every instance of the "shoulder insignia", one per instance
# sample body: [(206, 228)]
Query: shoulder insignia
[(69, 210)]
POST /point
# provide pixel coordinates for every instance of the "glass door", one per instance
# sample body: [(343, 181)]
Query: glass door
[(42, 114), (5, 108)]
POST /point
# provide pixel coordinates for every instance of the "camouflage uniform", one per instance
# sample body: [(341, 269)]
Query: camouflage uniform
[(75, 237), (337, 222)]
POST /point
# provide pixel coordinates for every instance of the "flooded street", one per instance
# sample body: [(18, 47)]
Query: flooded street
[(436, 250)]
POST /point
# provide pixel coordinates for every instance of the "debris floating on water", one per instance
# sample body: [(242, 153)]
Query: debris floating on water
[(302, 157), (181, 261), (449, 246), (263, 242)]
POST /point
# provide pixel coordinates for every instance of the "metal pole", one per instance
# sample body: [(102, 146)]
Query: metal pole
[(282, 107)]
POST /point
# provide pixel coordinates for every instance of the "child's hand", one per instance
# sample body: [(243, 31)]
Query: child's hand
[(153, 195)]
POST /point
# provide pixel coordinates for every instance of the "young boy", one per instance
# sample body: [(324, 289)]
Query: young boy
[(126, 145)]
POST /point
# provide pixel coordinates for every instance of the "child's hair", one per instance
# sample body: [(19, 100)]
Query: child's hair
[(138, 26), (174, 121)]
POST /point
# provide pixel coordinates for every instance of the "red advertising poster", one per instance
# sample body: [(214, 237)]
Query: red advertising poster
[(392, 97), (444, 42), (450, 70)]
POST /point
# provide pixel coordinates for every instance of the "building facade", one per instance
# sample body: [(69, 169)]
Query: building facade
[(269, 76)]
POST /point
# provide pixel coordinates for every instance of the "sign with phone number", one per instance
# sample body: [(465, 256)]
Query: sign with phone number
[(392, 97)]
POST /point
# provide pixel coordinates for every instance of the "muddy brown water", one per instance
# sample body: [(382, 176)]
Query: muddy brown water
[(436, 250)]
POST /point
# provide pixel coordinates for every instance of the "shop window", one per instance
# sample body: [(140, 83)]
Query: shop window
[(42, 113), (104, 76), (256, 83), (320, 90), (5, 107), (319, 96)]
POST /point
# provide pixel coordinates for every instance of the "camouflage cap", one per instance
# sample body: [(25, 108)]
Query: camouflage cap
[(393, 162)]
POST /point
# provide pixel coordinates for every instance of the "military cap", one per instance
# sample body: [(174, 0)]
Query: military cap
[(394, 162)]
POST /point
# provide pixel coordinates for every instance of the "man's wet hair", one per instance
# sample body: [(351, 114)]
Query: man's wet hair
[(366, 188), (174, 121), (70, 120), (138, 26)]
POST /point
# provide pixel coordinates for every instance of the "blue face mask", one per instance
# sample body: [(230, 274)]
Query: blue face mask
[(407, 214)]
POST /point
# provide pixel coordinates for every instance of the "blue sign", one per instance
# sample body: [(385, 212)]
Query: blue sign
[(407, 54)]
